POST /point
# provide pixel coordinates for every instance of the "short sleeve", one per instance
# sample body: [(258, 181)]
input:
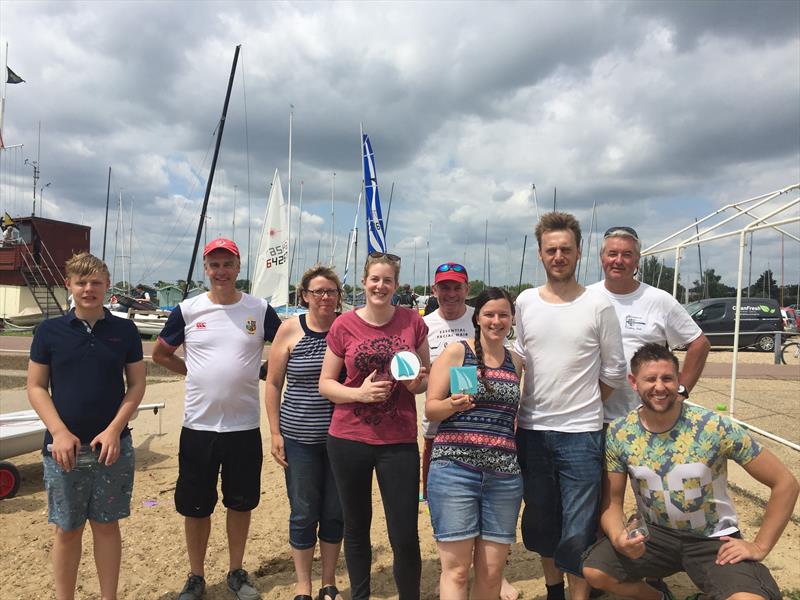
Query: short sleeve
[(737, 444), (40, 349), (173, 333), (680, 327), (271, 323), (420, 331), (134, 353), (335, 338), (613, 457), (519, 334)]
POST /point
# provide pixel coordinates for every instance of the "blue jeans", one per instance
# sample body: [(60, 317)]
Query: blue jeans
[(467, 503), (561, 474), (313, 497)]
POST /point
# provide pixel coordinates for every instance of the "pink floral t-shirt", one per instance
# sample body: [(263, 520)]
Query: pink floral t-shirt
[(366, 348)]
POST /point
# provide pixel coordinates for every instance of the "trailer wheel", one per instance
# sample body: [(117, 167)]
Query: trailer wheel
[(9, 480)]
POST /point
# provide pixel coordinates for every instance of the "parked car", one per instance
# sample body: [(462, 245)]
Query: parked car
[(760, 319), (791, 319)]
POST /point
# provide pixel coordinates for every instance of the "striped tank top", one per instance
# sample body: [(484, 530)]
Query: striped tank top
[(305, 414), (483, 437)]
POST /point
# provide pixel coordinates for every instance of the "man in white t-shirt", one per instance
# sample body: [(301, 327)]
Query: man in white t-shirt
[(451, 322), (571, 342), (223, 334), (646, 314)]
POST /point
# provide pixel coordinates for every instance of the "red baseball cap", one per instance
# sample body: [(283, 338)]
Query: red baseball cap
[(451, 271), (221, 244)]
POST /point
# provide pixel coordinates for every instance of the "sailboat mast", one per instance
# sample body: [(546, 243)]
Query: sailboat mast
[(210, 181), (289, 204), (105, 227), (333, 195), (536, 261)]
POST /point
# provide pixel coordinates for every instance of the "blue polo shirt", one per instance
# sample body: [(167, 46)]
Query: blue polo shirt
[(86, 369)]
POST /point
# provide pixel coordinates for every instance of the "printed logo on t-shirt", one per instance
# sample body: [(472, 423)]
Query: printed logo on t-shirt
[(250, 325), (635, 323), (200, 325)]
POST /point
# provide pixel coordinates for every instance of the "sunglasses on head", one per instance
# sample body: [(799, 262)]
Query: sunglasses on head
[(450, 267), (629, 230), (392, 257)]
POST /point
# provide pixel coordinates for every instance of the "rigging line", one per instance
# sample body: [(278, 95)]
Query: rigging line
[(166, 256), (247, 153)]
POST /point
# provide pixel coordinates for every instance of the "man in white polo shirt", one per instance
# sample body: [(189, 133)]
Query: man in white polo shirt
[(223, 334)]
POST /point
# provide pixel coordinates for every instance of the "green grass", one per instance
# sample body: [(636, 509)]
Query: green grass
[(7, 332)]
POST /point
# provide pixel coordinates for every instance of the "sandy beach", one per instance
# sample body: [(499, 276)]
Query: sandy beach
[(154, 557)]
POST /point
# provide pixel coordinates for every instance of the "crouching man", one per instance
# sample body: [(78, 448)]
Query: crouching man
[(676, 456)]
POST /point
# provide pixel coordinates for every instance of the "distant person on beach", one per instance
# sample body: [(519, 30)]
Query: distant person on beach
[(676, 456), (645, 314), (374, 426), (475, 485), (299, 431), (223, 333), (571, 342), (76, 386)]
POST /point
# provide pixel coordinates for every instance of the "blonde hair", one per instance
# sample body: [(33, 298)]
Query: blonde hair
[(382, 259), (84, 264), (319, 271)]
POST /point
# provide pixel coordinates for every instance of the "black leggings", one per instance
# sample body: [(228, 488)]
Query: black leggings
[(397, 468)]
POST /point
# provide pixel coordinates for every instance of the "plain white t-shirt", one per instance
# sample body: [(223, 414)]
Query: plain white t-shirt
[(568, 348)]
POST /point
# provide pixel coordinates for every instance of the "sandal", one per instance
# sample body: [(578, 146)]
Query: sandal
[(329, 590)]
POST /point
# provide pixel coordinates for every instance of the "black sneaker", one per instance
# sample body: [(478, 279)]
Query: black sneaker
[(194, 588), (240, 585)]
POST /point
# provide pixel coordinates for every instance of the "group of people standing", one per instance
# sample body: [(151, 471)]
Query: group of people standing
[(534, 431)]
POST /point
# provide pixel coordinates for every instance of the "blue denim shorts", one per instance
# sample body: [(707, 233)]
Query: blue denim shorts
[(91, 490), (467, 503), (562, 473)]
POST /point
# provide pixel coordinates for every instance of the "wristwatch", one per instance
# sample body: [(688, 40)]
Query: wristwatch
[(683, 391)]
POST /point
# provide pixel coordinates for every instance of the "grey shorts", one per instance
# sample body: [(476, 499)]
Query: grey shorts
[(90, 491), (668, 551)]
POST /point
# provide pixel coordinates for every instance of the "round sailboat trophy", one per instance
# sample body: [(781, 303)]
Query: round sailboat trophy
[(405, 365)]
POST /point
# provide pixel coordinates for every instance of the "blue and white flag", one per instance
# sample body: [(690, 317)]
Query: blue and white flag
[(376, 237)]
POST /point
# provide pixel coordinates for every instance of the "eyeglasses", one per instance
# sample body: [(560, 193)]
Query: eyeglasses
[(629, 230), (391, 257), (450, 267), (322, 293)]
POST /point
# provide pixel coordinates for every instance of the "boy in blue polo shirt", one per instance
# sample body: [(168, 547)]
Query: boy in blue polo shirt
[(75, 384)]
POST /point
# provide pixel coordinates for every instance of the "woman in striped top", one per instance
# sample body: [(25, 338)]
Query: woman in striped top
[(299, 430), (474, 485)]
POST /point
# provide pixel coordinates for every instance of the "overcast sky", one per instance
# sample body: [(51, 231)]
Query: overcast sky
[(660, 112)]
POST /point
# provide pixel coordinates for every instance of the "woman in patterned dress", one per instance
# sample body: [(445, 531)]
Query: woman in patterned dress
[(474, 485), (299, 430)]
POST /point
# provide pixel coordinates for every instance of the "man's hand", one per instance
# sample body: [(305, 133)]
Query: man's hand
[(109, 446), (372, 391), (632, 547), (64, 449), (278, 452), (736, 550)]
